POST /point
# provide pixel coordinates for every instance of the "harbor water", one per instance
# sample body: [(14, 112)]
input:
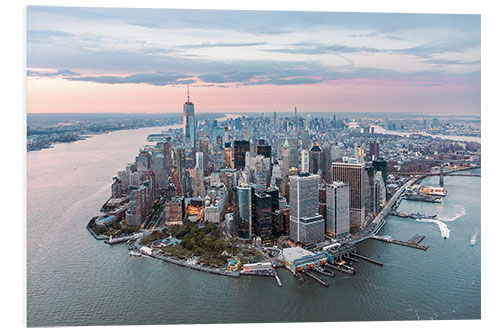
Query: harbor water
[(72, 279)]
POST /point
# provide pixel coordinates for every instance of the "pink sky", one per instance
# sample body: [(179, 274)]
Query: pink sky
[(54, 95)]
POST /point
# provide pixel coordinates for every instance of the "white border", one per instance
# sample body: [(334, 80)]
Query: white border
[(12, 19)]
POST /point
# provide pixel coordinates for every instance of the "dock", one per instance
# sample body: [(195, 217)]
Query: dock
[(323, 271), (411, 215), (278, 279), (341, 269), (316, 278), (123, 239), (351, 259), (299, 277), (416, 239), (403, 243), (368, 259)]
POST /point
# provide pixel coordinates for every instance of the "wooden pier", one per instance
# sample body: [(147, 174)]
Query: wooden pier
[(278, 279), (316, 278), (341, 269), (403, 243), (368, 259)]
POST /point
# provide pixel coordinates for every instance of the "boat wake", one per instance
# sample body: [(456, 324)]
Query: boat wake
[(445, 232), (473, 240), (452, 217)]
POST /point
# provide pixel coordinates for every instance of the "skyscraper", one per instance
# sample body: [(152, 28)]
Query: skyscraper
[(262, 218), (337, 208), (244, 211), (304, 161), (314, 159), (354, 175), (199, 160), (306, 225), (189, 124), (293, 145), (240, 148)]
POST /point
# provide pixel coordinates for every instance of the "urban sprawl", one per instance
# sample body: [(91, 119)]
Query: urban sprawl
[(249, 194)]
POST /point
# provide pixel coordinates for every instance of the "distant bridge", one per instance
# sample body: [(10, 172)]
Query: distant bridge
[(441, 173)]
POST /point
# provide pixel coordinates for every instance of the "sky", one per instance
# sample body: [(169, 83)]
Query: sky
[(88, 60)]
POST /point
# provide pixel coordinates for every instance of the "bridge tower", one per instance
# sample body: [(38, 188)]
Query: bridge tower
[(441, 176)]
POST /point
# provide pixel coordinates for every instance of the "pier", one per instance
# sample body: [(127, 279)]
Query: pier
[(351, 259), (123, 239), (411, 215), (416, 239), (278, 279), (323, 271), (403, 243), (341, 269), (299, 277), (316, 278), (368, 259)]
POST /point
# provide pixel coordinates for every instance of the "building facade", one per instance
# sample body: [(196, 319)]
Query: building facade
[(337, 208)]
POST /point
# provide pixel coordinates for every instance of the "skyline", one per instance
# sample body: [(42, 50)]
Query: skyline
[(114, 59)]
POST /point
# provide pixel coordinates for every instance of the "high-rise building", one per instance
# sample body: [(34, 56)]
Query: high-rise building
[(241, 147), (293, 146), (143, 160), (189, 124), (306, 142), (262, 218), (374, 150), (380, 191), (381, 165), (228, 155), (304, 161), (243, 211), (326, 162), (286, 159), (264, 150), (307, 226), (370, 188), (353, 174), (199, 160), (314, 159), (337, 208)]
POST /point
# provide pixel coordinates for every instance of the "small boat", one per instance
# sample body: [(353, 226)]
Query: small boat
[(472, 242), (134, 253)]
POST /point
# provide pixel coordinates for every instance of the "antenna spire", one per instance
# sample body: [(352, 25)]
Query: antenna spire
[(188, 92)]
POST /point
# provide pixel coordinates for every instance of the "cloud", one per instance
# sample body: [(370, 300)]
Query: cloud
[(324, 49), (59, 73), (228, 77), (221, 44), (155, 79), (425, 84), (451, 62)]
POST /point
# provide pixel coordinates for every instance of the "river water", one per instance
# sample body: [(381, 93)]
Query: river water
[(72, 279)]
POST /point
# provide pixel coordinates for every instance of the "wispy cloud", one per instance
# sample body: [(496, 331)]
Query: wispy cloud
[(58, 73), (155, 79)]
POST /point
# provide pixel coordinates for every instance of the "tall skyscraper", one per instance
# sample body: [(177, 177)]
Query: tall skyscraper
[(304, 161), (337, 208), (262, 217), (293, 145), (199, 160), (189, 124), (381, 165), (374, 150), (354, 175), (307, 226), (244, 211), (314, 159), (241, 147)]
